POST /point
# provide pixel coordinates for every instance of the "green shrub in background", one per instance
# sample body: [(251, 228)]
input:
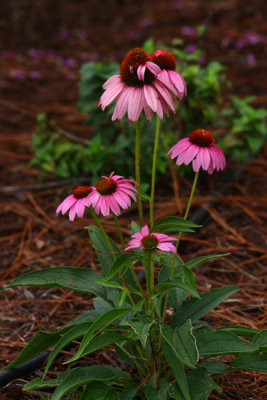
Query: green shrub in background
[(243, 126)]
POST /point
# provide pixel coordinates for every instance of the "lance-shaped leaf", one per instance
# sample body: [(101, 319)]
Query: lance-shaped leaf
[(213, 343), (81, 376), (260, 340), (194, 263), (195, 309), (102, 322), (118, 265), (177, 369), (240, 330), (182, 343), (77, 279), (105, 256), (172, 284), (249, 362), (174, 224), (99, 391), (140, 329)]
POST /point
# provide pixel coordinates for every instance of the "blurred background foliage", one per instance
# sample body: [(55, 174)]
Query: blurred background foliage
[(239, 128)]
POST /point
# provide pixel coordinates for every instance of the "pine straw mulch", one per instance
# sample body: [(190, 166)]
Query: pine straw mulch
[(32, 238)]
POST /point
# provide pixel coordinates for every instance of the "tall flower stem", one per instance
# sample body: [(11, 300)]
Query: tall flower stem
[(188, 206), (100, 226), (153, 178), (137, 170), (147, 262), (178, 239), (119, 229)]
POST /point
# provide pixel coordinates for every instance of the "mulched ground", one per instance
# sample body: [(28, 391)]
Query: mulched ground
[(40, 63)]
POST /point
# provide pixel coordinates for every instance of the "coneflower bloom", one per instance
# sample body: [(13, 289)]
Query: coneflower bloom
[(75, 202), (111, 193), (168, 74), (137, 88), (151, 241), (201, 150)]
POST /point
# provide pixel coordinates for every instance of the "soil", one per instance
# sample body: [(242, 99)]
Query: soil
[(43, 44)]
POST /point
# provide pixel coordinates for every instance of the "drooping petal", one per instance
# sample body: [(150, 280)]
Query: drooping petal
[(109, 95), (151, 97), (135, 104)]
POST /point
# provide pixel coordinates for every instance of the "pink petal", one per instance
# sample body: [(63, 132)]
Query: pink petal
[(164, 93), (141, 72), (109, 95), (66, 204), (135, 104), (151, 97), (145, 230), (154, 68), (177, 81), (113, 80)]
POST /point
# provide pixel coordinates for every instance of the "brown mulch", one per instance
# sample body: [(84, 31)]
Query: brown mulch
[(32, 238)]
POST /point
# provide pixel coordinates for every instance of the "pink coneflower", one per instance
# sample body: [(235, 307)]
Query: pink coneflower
[(200, 149), (168, 74), (136, 88), (75, 202), (111, 193), (151, 241)]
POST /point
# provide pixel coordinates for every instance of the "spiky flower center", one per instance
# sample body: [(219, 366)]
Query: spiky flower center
[(129, 66), (164, 59), (106, 186), (81, 191), (150, 241), (201, 137)]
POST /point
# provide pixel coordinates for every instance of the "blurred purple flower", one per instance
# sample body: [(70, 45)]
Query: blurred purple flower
[(94, 57), (189, 31), (84, 34), (144, 22), (17, 74), (64, 34), (84, 55), (250, 58), (190, 48), (34, 74), (240, 44), (35, 53), (69, 62), (131, 35), (202, 60)]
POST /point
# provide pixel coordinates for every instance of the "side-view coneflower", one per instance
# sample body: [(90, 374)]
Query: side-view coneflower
[(75, 202), (151, 241), (137, 88), (111, 193), (168, 74), (199, 148)]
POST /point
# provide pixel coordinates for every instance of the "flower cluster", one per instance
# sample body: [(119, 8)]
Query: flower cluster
[(146, 82), (109, 195)]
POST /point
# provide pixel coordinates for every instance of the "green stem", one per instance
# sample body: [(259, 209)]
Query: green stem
[(147, 262), (136, 280), (153, 178), (119, 230), (188, 204), (137, 170), (179, 237), (100, 226)]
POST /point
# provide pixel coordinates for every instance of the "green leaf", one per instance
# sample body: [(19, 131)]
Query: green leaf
[(174, 224), (104, 255), (38, 383), (118, 265), (239, 330), (189, 279), (140, 329), (213, 343), (260, 340), (249, 362), (40, 342), (74, 333), (106, 259), (81, 376), (103, 321), (129, 393), (197, 308), (104, 340), (194, 263), (182, 343), (77, 279), (200, 384), (99, 391), (177, 369), (165, 286), (213, 366), (158, 393)]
